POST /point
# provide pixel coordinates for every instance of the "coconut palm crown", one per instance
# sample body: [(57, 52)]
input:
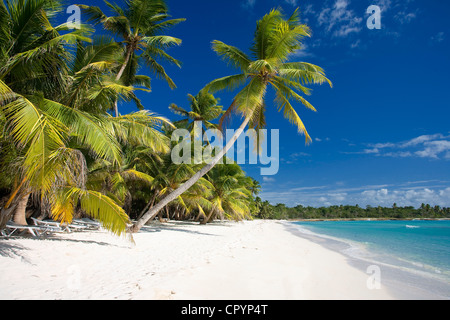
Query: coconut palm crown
[(140, 24), (276, 39)]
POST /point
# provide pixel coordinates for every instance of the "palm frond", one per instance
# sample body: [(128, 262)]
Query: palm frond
[(163, 42), (285, 39), (290, 114), (88, 129), (232, 55), (135, 174), (229, 82), (262, 38), (158, 53), (251, 97), (157, 69), (141, 128), (304, 72), (178, 110), (95, 204)]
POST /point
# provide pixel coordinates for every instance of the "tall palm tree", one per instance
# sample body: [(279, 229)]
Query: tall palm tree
[(140, 24), (275, 39)]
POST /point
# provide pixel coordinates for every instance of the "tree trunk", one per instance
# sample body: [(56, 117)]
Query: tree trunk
[(183, 188), (167, 213), (208, 218), (150, 204), (119, 75), (9, 209), (21, 209), (200, 214), (183, 215), (5, 215)]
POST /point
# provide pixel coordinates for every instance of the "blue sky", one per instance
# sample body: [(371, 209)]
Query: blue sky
[(381, 134)]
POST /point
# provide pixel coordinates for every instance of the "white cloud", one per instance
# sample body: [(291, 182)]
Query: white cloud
[(339, 19), (344, 19), (404, 17), (406, 194), (249, 3), (294, 157), (434, 149), (434, 146), (304, 52), (383, 4), (308, 9), (268, 180), (438, 37), (421, 139), (355, 44), (399, 154), (409, 197), (291, 2)]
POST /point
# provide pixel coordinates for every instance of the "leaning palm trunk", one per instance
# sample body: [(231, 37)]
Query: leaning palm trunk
[(151, 214), (119, 75), (209, 217), (150, 204), (276, 38)]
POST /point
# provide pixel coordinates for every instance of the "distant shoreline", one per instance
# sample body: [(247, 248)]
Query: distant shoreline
[(371, 219)]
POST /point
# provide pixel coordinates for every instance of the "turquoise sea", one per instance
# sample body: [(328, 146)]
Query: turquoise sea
[(415, 255)]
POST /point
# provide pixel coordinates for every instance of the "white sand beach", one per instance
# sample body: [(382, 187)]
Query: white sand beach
[(178, 260)]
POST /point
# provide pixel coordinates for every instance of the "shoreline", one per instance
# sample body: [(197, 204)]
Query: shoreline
[(370, 219), (403, 282), (251, 260)]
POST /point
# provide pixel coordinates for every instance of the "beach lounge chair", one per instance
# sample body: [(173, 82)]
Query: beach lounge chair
[(59, 226), (14, 228), (88, 223), (75, 227), (48, 223)]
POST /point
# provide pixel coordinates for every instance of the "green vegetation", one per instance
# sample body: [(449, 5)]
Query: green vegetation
[(280, 212), (65, 149)]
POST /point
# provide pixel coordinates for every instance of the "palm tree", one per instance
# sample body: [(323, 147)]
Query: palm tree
[(168, 176), (140, 25), (42, 92), (33, 67), (276, 38), (139, 137), (203, 107), (33, 56), (231, 195)]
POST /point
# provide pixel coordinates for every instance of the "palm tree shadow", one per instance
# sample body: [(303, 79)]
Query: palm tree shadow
[(11, 250), (173, 226)]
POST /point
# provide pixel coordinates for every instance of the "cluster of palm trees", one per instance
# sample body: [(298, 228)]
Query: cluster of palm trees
[(66, 149)]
